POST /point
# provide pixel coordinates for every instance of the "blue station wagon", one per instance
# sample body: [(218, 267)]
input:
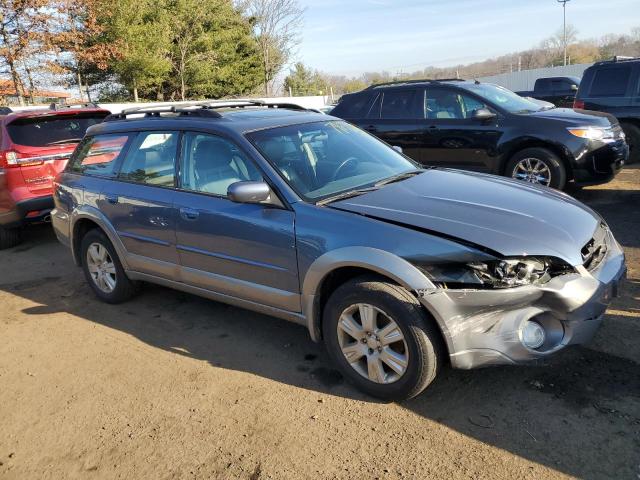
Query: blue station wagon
[(299, 215)]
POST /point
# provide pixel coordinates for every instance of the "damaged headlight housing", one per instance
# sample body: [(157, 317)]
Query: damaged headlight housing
[(503, 273)]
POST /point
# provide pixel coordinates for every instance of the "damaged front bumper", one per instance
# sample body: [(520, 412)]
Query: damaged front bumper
[(484, 327)]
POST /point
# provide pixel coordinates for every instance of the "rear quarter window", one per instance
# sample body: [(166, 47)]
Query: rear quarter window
[(49, 130), (99, 155), (354, 106), (610, 81)]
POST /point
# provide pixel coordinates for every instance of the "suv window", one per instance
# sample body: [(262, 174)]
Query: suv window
[(402, 104), (151, 159), (52, 130), (610, 81), (355, 105), (448, 104), (98, 155), (210, 164)]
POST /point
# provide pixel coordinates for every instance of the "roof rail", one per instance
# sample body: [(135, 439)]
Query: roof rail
[(409, 82), (617, 59), (198, 109), (60, 106)]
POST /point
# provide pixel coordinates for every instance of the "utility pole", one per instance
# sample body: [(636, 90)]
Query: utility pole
[(564, 27)]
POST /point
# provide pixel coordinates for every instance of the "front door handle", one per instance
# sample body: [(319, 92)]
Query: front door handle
[(112, 199), (189, 213)]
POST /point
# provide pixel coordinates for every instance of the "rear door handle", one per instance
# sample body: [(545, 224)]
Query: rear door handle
[(189, 213), (112, 199)]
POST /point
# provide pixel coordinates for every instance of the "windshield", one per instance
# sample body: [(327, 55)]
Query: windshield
[(506, 99), (52, 129), (324, 159)]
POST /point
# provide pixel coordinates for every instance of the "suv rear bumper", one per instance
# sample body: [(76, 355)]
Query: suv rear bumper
[(484, 327), (17, 216)]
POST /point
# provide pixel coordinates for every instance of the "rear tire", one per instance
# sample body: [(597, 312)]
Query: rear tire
[(9, 237), (632, 132), (518, 165), (414, 348), (103, 270)]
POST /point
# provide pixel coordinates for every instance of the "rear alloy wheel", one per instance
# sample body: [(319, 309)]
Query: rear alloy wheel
[(632, 132), (381, 339), (103, 269), (9, 237), (538, 166)]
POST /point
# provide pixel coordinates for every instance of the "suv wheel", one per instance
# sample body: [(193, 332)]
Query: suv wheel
[(632, 132), (381, 339), (539, 166), (9, 237), (103, 270)]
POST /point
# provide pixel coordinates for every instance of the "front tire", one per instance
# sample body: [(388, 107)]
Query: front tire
[(103, 270), (632, 132), (539, 166), (381, 339)]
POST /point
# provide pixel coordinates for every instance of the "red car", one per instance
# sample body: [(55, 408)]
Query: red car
[(34, 147)]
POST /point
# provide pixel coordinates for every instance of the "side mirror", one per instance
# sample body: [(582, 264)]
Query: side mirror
[(484, 114), (248, 192), (574, 87), (397, 148)]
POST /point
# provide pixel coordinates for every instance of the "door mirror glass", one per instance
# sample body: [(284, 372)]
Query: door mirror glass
[(249, 192), (397, 148), (483, 114), (574, 87)]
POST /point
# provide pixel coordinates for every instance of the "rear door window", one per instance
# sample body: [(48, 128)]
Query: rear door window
[(51, 130), (611, 81), (402, 104), (151, 159), (98, 155)]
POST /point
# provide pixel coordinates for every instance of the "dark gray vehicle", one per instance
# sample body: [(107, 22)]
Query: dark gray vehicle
[(302, 216)]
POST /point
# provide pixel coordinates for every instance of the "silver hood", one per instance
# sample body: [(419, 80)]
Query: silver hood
[(507, 216)]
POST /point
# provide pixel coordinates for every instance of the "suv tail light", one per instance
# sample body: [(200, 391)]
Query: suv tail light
[(578, 104), (14, 159)]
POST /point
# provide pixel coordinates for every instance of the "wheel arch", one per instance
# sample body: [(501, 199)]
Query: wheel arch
[(561, 151), (334, 268), (86, 219)]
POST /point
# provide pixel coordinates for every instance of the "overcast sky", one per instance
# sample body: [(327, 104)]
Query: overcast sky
[(352, 36)]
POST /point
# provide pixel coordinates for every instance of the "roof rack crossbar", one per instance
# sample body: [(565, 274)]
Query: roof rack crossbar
[(409, 82)]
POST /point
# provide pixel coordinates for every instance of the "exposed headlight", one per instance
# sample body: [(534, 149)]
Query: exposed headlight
[(593, 133), (507, 273)]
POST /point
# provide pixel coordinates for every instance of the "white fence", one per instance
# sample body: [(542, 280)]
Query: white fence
[(525, 79), (306, 102)]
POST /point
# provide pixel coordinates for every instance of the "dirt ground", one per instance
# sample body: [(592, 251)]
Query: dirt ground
[(173, 386)]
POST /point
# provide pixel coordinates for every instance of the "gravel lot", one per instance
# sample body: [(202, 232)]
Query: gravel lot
[(174, 386)]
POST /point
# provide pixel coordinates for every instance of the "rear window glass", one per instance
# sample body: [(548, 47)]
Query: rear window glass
[(98, 155), (51, 130), (354, 106), (610, 82)]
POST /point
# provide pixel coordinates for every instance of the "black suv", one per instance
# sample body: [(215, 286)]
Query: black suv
[(484, 127), (614, 87)]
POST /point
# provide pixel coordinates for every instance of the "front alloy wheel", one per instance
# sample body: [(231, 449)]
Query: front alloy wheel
[(532, 170), (372, 343)]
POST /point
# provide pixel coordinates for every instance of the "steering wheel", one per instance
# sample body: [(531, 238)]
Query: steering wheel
[(348, 162)]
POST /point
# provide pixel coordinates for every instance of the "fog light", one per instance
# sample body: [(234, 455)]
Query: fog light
[(532, 335)]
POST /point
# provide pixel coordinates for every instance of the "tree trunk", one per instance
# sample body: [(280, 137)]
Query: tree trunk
[(32, 87), (79, 78), (135, 91)]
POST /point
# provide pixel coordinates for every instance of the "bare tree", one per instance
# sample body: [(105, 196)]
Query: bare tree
[(277, 25)]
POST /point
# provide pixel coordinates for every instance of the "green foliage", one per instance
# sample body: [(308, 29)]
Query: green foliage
[(302, 81)]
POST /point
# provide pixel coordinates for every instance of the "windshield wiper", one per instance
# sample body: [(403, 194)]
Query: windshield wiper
[(348, 194), (68, 140), (398, 178)]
